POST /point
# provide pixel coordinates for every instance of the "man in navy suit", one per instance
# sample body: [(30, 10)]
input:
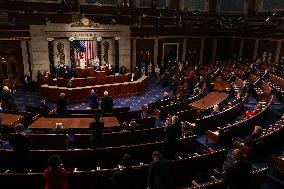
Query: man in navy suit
[(94, 101)]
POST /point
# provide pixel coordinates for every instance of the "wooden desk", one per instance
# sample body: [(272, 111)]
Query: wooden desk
[(82, 94), (210, 100), (71, 123), (10, 119), (221, 86)]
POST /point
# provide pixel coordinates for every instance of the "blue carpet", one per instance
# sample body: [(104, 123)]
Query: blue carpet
[(32, 98)]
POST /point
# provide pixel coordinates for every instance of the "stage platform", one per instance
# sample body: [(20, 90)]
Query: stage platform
[(82, 94)]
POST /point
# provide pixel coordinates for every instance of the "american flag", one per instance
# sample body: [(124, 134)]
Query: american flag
[(86, 50)]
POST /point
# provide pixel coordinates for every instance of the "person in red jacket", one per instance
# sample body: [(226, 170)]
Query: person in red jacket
[(254, 112), (55, 175)]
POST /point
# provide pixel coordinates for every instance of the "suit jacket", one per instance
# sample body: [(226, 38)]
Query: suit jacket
[(94, 102), (160, 176), (239, 175), (97, 136), (61, 106), (170, 146), (8, 101), (107, 104), (127, 178)]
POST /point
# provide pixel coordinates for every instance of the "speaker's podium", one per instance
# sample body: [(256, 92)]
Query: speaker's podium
[(82, 71)]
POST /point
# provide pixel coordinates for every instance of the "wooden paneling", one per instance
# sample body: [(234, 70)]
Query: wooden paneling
[(13, 49), (227, 48), (193, 50), (169, 40), (207, 51), (248, 48), (142, 45)]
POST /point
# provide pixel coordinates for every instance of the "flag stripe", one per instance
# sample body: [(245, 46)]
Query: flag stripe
[(86, 50)]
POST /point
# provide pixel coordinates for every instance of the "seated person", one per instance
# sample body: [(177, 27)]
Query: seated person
[(256, 110), (258, 82), (133, 126), (144, 111), (166, 96), (216, 109), (44, 107), (265, 75), (133, 77), (122, 70), (256, 133), (232, 78), (237, 99)]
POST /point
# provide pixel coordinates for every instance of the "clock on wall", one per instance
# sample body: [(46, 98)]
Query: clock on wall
[(85, 22)]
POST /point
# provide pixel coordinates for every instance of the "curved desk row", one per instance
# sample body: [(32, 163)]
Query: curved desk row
[(89, 81), (82, 94)]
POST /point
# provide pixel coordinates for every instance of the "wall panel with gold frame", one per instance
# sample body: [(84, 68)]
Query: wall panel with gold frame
[(170, 53)]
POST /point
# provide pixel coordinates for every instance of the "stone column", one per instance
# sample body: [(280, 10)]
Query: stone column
[(214, 49), (241, 47), (277, 54), (201, 50), (184, 49), (255, 49), (133, 54)]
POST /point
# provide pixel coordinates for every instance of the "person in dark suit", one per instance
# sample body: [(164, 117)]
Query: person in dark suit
[(232, 77), (172, 134), (61, 105), (265, 75), (94, 100), (238, 173), (133, 77), (97, 129), (160, 176), (256, 133), (127, 177), (107, 103), (8, 102), (21, 149)]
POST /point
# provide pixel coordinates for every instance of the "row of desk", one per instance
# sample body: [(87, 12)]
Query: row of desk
[(88, 81), (82, 94)]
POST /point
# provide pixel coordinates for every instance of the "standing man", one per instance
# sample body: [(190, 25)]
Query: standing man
[(8, 102), (107, 103), (160, 173), (94, 102), (61, 106), (97, 132)]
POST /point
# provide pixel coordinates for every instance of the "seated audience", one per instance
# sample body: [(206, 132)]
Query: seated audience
[(144, 111), (61, 105), (256, 110), (132, 126), (160, 175), (44, 107), (232, 77), (265, 75), (127, 177), (256, 133), (237, 172), (55, 175), (166, 95), (158, 122), (58, 129), (216, 110), (133, 77)]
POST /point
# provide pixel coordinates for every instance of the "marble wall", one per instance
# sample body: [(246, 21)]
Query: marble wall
[(61, 33)]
